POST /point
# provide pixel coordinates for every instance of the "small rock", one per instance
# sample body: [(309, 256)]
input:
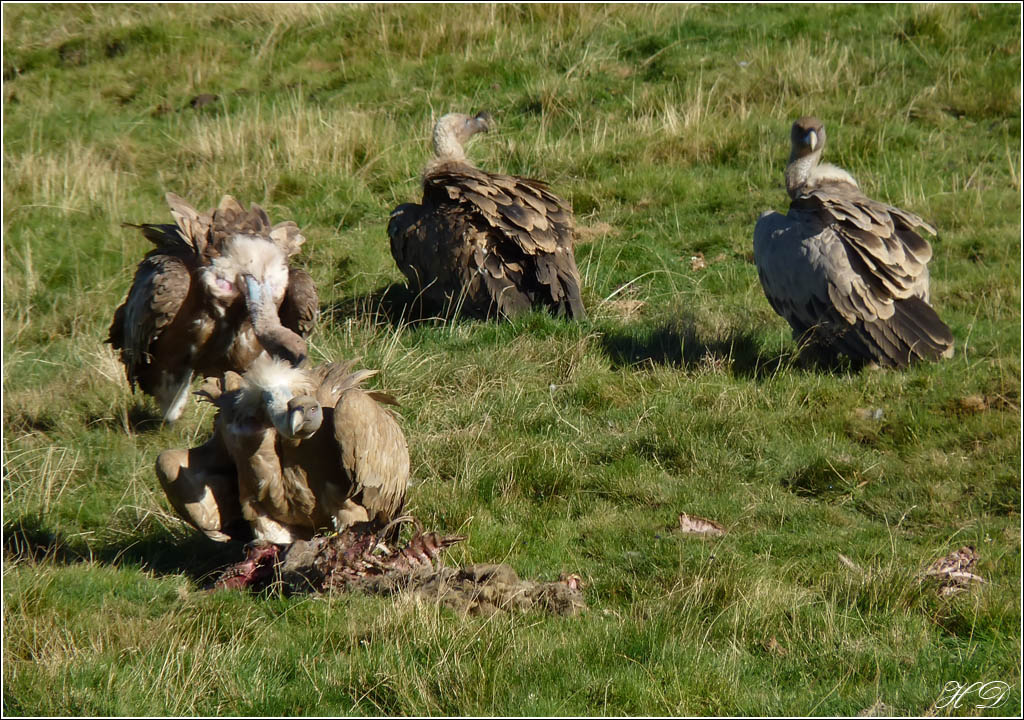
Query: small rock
[(202, 100), (695, 525), (973, 404), (869, 413)]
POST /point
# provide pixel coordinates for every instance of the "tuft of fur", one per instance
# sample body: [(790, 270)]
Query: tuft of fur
[(266, 373)]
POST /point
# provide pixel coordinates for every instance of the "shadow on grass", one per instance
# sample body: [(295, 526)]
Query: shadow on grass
[(392, 305), (140, 419), (679, 344), (30, 538), (396, 305)]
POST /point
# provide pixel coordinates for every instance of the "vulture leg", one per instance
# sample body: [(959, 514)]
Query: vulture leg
[(270, 530), (202, 485), (349, 514)]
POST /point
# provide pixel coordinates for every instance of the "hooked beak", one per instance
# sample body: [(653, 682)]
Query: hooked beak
[(304, 417), (483, 121), (811, 138), (297, 422), (275, 338)]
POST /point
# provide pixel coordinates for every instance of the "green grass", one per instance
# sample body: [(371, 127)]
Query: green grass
[(554, 447)]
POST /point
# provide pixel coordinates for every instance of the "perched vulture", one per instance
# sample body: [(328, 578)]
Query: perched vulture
[(213, 295), (848, 273), (294, 451), (483, 242)]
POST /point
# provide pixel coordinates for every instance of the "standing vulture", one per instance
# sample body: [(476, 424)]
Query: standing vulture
[(213, 295), (294, 451), (847, 272), (484, 242)]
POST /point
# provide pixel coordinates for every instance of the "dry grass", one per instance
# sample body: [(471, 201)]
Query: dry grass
[(555, 447)]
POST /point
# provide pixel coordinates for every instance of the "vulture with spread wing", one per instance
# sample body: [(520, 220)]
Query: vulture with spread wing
[(848, 273), (483, 242), (212, 296), (294, 451)]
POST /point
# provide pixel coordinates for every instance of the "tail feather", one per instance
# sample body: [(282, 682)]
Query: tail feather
[(915, 331)]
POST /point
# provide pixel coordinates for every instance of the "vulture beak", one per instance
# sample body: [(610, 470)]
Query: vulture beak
[(483, 121), (254, 290), (811, 138)]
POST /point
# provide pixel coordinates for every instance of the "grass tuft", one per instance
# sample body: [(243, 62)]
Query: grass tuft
[(553, 447)]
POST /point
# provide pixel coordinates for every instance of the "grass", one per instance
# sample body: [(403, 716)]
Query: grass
[(554, 447)]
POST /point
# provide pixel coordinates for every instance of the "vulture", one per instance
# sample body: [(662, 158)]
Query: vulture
[(214, 294), (848, 273), (295, 451), (485, 243)]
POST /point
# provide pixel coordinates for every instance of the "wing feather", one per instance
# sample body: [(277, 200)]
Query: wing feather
[(158, 291), (374, 454), (301, 305), (855, 270), (489, 241)]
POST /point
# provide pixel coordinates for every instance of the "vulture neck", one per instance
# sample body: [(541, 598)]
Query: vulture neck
[(448, 152), (799, 171), (276, 339)]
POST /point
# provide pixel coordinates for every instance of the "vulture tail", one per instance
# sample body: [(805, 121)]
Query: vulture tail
[(915, 331)]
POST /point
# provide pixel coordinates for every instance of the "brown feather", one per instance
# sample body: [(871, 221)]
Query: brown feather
[(852, 269), (170, 326), (354, 469), (485, 243)]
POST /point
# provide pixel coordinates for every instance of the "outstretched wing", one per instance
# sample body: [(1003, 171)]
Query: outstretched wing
[(374, 454), (187, 236), (522, 236), (160, 287)]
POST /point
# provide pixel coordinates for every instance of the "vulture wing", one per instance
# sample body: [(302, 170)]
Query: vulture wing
[(187, 236), (854, 273), (193, 227), (373, 453), (159, 290), (516, 233), (301, 305), (371, 446), (890, 253), (287, 236)]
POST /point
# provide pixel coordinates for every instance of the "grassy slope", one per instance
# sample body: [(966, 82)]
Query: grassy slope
[(554, 446)]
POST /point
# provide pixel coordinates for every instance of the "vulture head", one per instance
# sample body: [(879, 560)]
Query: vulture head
[(255, 269), (807, 137), (804, 171), (247, 261), (454, 130), (273, 393)]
